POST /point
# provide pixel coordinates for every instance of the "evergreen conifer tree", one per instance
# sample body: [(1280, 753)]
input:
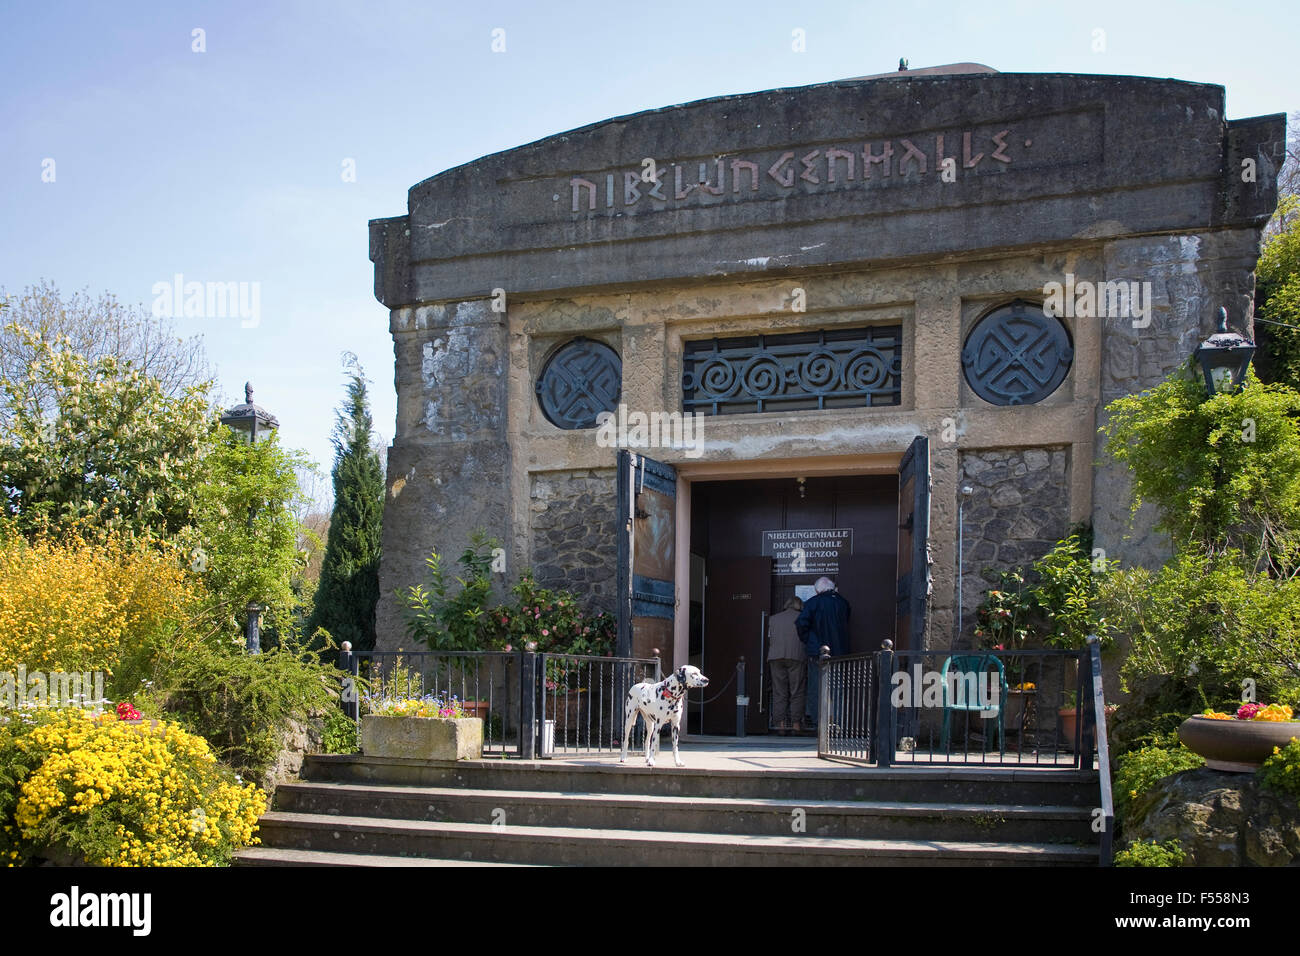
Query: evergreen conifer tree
[(349, 578)]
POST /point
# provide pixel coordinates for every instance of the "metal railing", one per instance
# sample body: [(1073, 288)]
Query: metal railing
[(582, 699), (960, 708), (562, 703), (846, 712)]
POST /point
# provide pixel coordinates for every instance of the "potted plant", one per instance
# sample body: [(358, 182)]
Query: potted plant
[(1241, 742), (1069, 714), (424, 728)]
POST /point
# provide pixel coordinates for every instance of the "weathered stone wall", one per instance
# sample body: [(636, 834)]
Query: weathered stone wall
[(573, 534), (449, 465), (1020, 508)]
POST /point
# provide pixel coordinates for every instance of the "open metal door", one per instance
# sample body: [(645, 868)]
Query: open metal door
[(914, 584), (647, 559)]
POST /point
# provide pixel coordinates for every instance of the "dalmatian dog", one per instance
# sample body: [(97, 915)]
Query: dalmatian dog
[(659, 704)]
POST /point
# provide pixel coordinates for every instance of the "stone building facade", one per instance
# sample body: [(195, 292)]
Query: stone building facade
[(826, 274)]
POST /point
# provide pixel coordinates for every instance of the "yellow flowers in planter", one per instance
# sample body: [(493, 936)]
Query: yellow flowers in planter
[(119, 794)]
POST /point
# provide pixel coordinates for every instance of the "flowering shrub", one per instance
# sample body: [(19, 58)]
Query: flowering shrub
[(426, 706), (118, 794), (554, 619), (1275, 712), (66, 604)]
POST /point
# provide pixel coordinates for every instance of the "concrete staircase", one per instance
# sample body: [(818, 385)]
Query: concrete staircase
[(366, 811)]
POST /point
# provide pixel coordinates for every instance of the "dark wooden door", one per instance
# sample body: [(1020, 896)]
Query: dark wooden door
[(737, 597)]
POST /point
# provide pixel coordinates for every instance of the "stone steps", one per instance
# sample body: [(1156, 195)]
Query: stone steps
[(771, 817), (278, 856), (484, 842), (365, 811)]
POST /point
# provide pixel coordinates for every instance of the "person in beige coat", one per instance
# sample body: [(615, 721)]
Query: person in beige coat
[(785, 656)]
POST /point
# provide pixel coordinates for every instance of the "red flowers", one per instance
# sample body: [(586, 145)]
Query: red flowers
[(126, 712)]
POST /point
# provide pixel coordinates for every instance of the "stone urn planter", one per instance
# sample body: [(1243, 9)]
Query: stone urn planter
[(422, 738), (1238, 746)]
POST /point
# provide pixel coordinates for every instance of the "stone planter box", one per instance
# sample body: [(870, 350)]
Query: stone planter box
[(422, 738), (1238, 746)]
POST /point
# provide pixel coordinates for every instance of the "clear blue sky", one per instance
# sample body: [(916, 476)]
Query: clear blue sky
[(226, 165)]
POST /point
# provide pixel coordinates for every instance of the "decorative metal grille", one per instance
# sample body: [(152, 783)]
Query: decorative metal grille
[(829, 368), (1017, 355), (582, 379)]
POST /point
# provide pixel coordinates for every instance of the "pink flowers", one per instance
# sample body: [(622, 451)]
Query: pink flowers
[(126, 712), (1248, 711)]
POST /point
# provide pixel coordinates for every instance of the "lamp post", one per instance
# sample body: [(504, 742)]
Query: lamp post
[(1224, 356), (962, 498), (252, 423)]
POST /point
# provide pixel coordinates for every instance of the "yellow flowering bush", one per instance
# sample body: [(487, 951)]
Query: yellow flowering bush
[(74, 605), (118, 794)]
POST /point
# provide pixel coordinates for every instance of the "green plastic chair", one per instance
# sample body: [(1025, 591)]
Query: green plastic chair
[(965, 664)]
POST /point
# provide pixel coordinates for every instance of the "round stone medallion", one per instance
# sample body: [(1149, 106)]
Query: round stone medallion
[(1017, 355), (579, 381)]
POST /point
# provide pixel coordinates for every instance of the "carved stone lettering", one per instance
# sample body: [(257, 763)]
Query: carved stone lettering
[(785, 178), (834, 154), (736, 166), (884, 158)]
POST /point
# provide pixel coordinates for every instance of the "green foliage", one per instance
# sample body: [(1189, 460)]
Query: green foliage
[(340, 734), (1061, 607), (242, 559), (240, 703), (1277, 297), (1067, 592), (349, 579), (449, 616), (1169, 853), (460, 618), (1224, 472), (1281, 772), (1207, 621), (1137, 772)]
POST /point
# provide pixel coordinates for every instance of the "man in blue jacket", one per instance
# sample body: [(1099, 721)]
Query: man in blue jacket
[(824, 620)]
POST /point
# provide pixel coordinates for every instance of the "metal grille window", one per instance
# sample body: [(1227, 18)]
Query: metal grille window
[(829, 368)]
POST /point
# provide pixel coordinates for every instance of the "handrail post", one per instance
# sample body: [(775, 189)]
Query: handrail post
[(824, 703), (1103, 752), (882, 740), (528, 729), (740, 696), (348, 663)]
